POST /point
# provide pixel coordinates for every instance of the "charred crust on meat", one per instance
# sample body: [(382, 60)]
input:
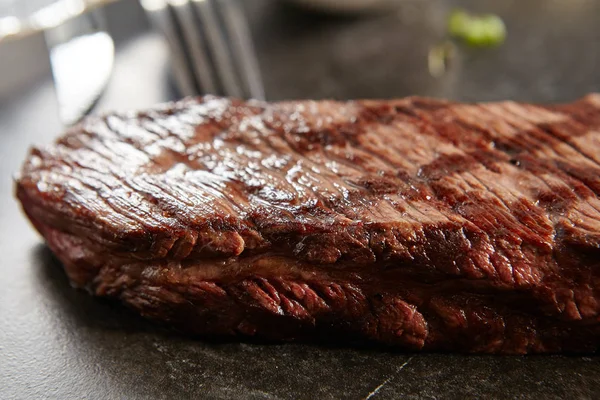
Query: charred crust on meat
[(416, 223)]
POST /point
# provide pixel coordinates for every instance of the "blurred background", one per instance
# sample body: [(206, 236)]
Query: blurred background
[(303, 49)]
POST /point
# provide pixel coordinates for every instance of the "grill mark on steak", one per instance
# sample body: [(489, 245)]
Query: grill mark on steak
[(343, 129), (416, 223), (465, 164), (565, 202)]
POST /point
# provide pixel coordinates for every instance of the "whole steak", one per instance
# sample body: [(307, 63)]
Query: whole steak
[(416, 223)]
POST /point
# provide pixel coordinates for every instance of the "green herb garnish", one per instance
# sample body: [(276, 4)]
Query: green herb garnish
[(477, 30)]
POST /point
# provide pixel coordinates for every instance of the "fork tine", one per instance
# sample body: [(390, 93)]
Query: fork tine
[(211, 46), (196, 48), (160, 16), (242, 48), (217, 44)]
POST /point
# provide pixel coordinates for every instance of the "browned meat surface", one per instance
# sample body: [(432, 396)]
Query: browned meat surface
[(416, 223)]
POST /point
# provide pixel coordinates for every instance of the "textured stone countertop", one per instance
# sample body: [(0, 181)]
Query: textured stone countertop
[(58, 343)]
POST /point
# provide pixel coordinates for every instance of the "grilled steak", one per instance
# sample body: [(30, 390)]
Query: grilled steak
[(416, 223)]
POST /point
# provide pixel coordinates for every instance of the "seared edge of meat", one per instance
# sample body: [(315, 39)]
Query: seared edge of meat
[(416, 222)]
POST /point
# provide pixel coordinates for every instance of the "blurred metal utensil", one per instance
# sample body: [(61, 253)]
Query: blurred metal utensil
[(82, 56), (211, 46), (78, 48)]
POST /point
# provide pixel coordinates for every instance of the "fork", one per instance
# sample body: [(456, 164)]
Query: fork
[(211, 47)]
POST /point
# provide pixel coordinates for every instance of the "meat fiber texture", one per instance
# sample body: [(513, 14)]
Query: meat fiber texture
[(416, 223)]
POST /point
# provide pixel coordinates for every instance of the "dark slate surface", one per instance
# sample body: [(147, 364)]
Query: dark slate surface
[(59, 343)]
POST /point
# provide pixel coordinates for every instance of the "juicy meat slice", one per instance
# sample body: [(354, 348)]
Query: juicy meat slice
[(417, 223)]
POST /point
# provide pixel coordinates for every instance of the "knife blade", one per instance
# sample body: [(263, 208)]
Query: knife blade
[(82, 56)]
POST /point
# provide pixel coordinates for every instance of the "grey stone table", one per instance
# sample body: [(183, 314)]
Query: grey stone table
[(59, 343)]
